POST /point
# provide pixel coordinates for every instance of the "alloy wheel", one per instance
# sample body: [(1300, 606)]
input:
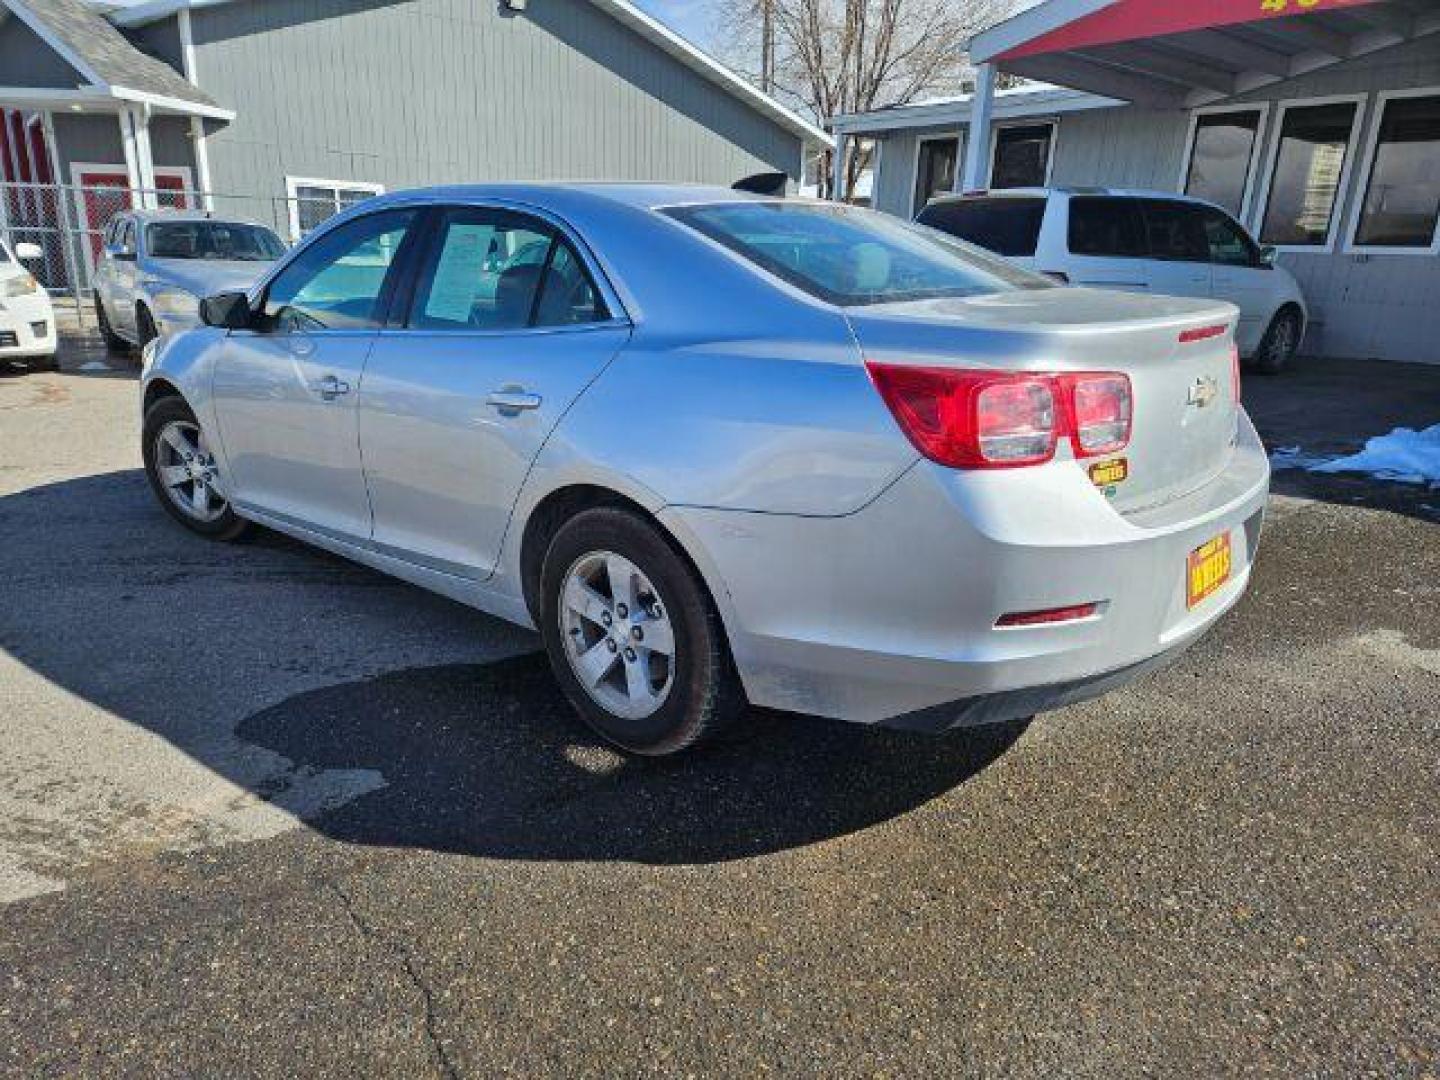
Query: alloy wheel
[(188, 472), (617, 635)]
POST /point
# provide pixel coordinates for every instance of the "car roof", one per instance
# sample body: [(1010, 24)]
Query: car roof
[(1067, 190), (647, 196), (145, 217)]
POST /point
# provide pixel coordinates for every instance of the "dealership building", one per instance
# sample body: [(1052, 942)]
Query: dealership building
[(1316, 123)]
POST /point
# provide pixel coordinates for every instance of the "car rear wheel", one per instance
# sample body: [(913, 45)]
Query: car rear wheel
[(184, 474), (1277, 347), (633, 636), (113, 341)]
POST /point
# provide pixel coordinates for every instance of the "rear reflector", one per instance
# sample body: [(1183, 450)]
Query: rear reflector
[(1048, 615), (970, 419), (1201, 333)]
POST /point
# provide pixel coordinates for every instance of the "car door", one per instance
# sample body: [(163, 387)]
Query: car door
[(1178, 262), (285, 390), (1105, 244), (506, 326), (120, 267), (1239, 275)]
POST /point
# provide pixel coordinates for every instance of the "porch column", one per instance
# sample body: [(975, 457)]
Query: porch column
[(139, 165), (837, 167), (977, 139)]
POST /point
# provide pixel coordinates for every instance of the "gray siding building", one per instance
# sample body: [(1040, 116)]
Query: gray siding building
[(290, 109), (1185, 111)]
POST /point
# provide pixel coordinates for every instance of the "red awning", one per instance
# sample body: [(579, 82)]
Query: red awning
[(1132, 20)]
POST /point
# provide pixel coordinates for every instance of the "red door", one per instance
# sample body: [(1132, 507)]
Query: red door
[(104, 194)]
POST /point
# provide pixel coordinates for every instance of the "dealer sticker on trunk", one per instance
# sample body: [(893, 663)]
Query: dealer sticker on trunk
[(1106, 474)]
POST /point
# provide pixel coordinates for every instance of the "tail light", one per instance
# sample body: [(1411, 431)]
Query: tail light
[(996, 420)]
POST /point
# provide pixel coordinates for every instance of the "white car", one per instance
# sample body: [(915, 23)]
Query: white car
[(27, 320), (1138, 241)]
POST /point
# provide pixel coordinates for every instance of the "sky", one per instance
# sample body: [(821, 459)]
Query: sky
[(689, 18)]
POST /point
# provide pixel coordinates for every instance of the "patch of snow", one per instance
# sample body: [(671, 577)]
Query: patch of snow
[(1405, 455)]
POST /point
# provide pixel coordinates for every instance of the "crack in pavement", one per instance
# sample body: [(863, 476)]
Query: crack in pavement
[(369, 933)]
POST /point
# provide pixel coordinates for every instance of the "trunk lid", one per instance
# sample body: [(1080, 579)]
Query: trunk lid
[(1184, 405)]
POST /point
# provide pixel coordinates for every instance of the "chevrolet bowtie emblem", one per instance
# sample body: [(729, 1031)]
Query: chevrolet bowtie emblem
[(1202, 392)]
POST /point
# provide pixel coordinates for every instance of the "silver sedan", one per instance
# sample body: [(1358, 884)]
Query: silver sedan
[(721, 448)]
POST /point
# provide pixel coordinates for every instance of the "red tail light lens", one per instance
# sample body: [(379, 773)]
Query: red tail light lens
[(1100, 407), (997, 420)]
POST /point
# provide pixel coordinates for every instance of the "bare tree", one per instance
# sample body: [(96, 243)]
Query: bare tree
[(828, 57)]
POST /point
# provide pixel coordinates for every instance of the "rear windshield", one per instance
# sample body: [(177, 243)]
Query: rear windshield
[(1009, 226), (221, 240), (849, 256)]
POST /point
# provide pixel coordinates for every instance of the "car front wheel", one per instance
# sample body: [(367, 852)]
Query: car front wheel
[(633, 636), (184, 474), (1278, 346), (113, 341)]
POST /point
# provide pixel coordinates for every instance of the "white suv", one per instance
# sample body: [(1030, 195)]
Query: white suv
[(1138, 241)]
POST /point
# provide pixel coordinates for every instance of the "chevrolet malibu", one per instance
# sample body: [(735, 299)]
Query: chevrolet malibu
[(722, 448)]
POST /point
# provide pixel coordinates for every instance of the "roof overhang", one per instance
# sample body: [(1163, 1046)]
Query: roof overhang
[(90, 99), (1176, 55), (1017, 104)]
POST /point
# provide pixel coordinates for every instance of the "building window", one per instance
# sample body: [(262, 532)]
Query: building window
[(935, 170), (1307, 173), (1400, 201), (314, 201), (1022, 156), (1221, 152)]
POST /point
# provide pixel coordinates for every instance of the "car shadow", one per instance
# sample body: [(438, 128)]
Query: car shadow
[(103, 592)]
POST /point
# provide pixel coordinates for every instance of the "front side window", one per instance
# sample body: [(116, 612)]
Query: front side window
[(1174, 231), (336, 283), (935, 169), (497, 270), (1305, 179), (1220, 154), (849, 256), (1007, 226), (1227, 241), (1022, 156), (1107, 227), (125, 238), (1401, 200), (216, 240)]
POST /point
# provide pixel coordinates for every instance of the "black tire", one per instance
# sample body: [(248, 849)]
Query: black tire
[(1278, 346), (704, 692), (145, 331), (228, 525), (113, 341)]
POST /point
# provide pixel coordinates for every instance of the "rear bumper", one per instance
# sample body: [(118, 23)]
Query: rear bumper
[(891, 611)]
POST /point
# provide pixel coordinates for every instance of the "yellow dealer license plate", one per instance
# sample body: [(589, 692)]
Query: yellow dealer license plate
[(1206, 569)]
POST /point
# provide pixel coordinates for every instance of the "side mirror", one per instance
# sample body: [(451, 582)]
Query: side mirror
[(1268, 255), (227, 310), (29, 252)]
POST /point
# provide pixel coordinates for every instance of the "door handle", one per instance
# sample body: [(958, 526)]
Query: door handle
[(330, 387), (512, 400)]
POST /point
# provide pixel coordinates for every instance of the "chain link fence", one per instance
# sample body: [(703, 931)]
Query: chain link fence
[(67, 225)]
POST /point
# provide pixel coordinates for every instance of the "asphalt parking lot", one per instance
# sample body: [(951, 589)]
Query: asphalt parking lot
[(263, 812)]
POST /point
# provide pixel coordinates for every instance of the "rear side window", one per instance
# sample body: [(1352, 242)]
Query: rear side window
[(1175, 231), (1009, 227), (848, 256), (1108, 227)]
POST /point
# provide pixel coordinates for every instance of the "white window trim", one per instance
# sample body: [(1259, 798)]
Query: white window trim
[(940, 136), (1262, 131), (1367, 167), (293, 184), (1052, 122), (1342, 187)]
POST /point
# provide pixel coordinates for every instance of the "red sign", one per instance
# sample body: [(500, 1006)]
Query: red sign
[(1131, 20)]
